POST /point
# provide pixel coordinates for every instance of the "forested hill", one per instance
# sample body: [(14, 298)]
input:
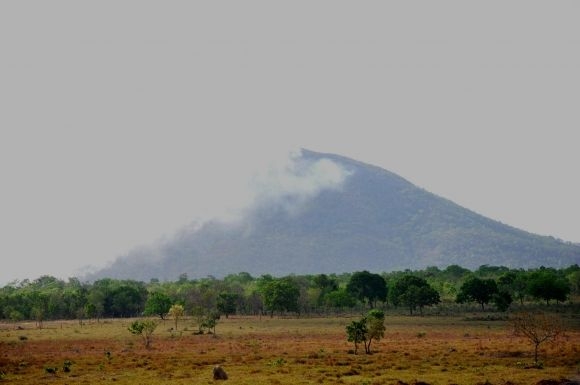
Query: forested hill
[(373, 220)]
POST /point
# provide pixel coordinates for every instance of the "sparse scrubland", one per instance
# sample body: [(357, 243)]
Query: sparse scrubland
[(471, 348)]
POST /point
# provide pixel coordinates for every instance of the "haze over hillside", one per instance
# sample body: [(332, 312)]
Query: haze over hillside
[(326, 213)]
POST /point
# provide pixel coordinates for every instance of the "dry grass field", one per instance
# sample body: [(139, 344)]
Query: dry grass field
[(415, 350)]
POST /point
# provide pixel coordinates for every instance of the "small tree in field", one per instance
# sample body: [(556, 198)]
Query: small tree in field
[(176, 312), (145, 329), (356, 332), (537, 328), (376, 327), (210, 322), (367, 329)]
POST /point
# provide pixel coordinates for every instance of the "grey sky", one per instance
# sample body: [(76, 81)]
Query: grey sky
[(123, 120)]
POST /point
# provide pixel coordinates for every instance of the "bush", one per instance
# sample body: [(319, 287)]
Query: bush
[(145, 329)]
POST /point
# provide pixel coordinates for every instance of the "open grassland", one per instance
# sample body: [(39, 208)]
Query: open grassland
[(432, 350)]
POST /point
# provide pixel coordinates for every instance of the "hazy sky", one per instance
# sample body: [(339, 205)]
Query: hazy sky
[(121, 121)]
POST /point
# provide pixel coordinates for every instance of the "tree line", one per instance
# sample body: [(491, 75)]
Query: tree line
[(498, 287)]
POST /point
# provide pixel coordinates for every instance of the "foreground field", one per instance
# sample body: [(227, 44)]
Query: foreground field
[(431, 350)]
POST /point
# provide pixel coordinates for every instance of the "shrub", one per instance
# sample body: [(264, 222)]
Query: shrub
[(145, 329), (367, 329)]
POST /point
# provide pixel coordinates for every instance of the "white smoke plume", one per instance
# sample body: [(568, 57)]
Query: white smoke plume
[(284, 181), (288, 185)]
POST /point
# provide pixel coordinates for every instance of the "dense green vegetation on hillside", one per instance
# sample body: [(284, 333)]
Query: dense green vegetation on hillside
[(494, 287)]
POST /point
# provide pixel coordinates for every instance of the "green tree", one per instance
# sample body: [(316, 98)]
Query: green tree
[(38, 304), (74, 299), (375, 327), (546, 284), (158, 303), (127, 299), (502, 300), (325, 285), (210, 323), (356, 332), (96, 297), (368, 328), (514, 282), (477, 290), (90, 310), (227, 303), (368, 287), (339, 299), (413, 292), (455, 272), (281, 295), (242, 278), (15, 316), (145, 329), (487, 271), (202, 297), (574, 279)]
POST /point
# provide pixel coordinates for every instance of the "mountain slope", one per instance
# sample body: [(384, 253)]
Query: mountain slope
[(373, 220)]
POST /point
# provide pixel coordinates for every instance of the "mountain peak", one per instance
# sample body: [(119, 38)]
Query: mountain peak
[(331, 214)]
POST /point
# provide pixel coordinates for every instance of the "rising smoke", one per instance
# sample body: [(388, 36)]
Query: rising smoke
[(290, 185), (283, 184)]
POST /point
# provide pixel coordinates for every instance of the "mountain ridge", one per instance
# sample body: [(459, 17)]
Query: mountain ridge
[(373, 220)]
